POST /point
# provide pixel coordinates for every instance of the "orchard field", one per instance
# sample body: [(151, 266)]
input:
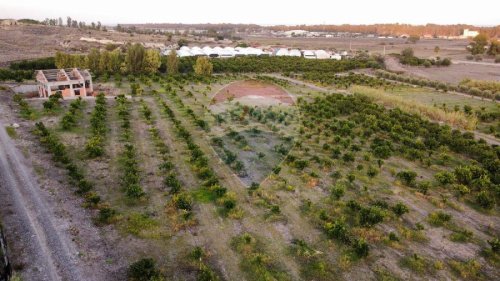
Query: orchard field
[(189, 179)]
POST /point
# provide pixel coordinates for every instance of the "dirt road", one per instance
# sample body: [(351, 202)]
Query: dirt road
[(50, 253)]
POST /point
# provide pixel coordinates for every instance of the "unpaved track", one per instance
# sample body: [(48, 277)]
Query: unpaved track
[(50, 253)]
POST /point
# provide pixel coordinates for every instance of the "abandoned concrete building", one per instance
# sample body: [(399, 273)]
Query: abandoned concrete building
[(70, 82)]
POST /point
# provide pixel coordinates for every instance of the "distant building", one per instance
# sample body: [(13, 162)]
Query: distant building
[(70, 82), (294, 53), (469, 33), (293, 33), (335, 56), (308, 54), (321, 54), (281, 52)]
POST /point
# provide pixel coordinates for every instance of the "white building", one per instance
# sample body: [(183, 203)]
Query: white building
[(210, 52), (227, 52), (321, 54), (197, 51), (309, 54), (281, 52), (335, 56), (469, 33), (295, 53), (297, 32)]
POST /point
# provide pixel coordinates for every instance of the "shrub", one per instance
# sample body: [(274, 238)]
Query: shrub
[(105, 215), (361, 248), (372, 171), (407, 177), (416, 263), (370, 216), (400, 209), (424, 186), (485, 200), (461, 235), (94, 147), (445, 178), (338, 230), (495, 245), (438, 218), (467, 270), (337, 191), (143, 270)]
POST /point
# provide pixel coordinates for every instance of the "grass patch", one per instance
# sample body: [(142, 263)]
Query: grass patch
[(461, 236), (313, 267), (140, 224), (438, 218), (418, 264), (257, 265), (468, 270), (203, 195), (11, 131)]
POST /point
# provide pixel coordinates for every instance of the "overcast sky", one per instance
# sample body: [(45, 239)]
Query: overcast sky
[(266, 12)]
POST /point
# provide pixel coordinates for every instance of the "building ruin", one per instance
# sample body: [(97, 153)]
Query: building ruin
[(70, 82)]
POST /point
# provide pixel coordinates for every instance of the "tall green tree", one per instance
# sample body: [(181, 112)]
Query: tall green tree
[(134, 58), (152, 61), (172, 63), (93, 60), (203, 67)]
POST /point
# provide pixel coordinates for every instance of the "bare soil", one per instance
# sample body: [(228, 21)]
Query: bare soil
[(453, 74), (264, 93)]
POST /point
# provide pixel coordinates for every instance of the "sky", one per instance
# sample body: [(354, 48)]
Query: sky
[(264, 12)]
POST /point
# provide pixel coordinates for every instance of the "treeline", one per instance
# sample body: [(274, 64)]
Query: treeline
[(16, 75), (396, 29), (23, 70), (70, 23), (138, 60), (279, 64), (407, 57), (42, 63), (135, 60)]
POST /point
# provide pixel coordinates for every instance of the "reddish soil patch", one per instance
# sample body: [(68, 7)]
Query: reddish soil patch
[(253, 88)]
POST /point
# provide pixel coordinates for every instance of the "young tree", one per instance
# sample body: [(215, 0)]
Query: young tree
[(436, 50), (407, 52), (494, 48), (478, 44), (413, 39), (203, 66), (172, 63)]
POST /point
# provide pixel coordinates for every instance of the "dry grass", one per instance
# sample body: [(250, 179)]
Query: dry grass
[(452, 118)]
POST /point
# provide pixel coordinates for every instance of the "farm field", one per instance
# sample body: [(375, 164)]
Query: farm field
[(252, 177)]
